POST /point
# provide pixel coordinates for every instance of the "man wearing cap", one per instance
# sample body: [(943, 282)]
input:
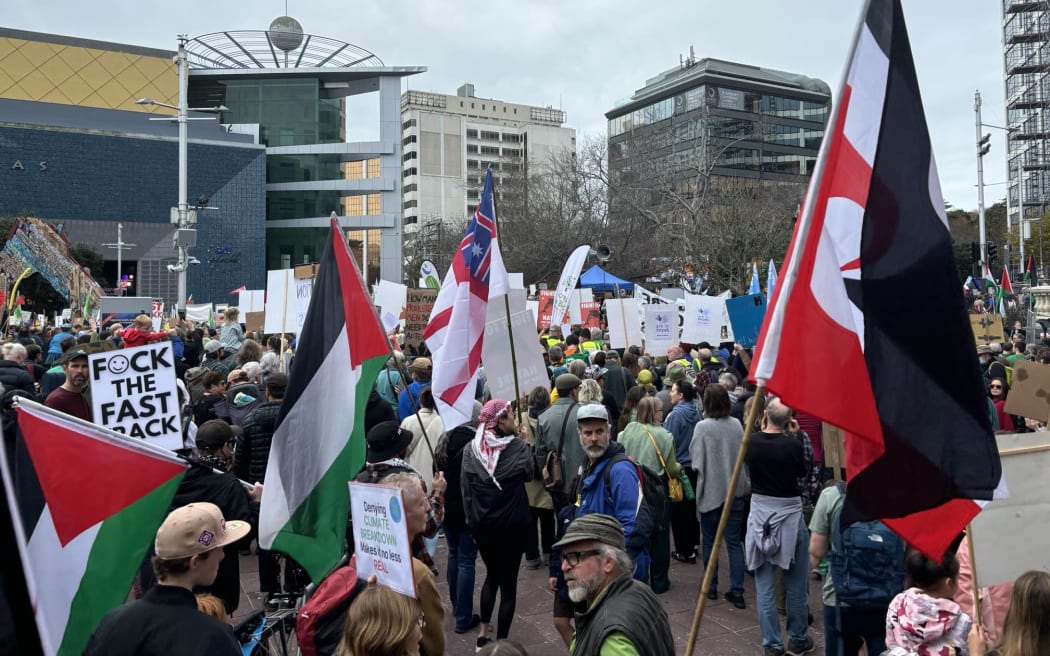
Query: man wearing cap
[(209, 481), (555, 431), (69, 397), (620, 615), (619, 493), (420, 371), (213, 353), (166, 620), (991, 367)]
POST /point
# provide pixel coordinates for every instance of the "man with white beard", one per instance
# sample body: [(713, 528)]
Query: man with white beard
[(620, 615)]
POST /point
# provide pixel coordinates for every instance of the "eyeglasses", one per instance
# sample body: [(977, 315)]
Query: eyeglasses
[(573, 558), (995, 387), (421, 621)]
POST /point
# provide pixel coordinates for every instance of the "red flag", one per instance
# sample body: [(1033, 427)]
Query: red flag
[(240, 289), (1005, 282), (873, 238), (456, 328)]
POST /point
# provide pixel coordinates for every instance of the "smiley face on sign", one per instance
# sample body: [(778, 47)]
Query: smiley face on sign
[(118, 364)]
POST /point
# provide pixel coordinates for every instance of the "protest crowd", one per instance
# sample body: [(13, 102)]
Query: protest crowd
[(622, 465)]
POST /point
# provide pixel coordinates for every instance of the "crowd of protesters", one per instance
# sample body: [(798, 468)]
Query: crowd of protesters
[(557, 478)]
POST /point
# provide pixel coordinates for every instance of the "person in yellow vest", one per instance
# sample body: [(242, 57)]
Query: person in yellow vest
[(595, 343)]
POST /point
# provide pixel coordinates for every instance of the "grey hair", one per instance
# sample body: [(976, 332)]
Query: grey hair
[(590, 392), (577, 368), (555, 352), (779, 414), (645, 362), (624, 564), (408, 482), (14, 350), (728, 380)]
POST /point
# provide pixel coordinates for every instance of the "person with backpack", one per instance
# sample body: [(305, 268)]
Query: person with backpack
[(610, 484), (866, 572)]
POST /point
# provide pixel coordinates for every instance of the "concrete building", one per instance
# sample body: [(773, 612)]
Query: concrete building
[(448, 141), (1026, 59), (733, 120), (276, 163)]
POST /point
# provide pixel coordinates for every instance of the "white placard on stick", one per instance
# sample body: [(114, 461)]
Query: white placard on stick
[(625, 327), (496, 353), (282, 308), (252, 300), (661, 327), (133, 391), (704, 320), (381, 536)]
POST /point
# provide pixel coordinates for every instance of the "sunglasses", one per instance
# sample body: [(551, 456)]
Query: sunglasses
[(995, 387)]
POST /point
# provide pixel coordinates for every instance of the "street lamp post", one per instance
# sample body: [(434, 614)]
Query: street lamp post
[(182, 215), (121, 246)]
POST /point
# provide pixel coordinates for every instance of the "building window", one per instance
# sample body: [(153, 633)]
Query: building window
[(473, 180), (490, 150), (471, 209), (472, 134), (374, 167), (472, 163), (511, 138), (408, 156), (491, 136), (409, 204), (483, 107), (375, 204), (410, 139), (472, 105), (409, 220), (472, 194), (504, 110), (410, 187), (409, 171), (512, 152), (410, 123), (354, 205), (472, 149)]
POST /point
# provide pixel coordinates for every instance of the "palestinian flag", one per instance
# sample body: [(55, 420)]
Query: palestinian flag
[(1004, 285), (319, 443), (987, 281), (1028, 272), (873, 238), (85, 504)]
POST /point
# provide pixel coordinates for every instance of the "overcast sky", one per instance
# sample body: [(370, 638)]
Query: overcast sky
[(584, 55)]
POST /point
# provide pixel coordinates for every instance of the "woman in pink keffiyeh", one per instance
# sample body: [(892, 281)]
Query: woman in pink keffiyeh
[(495, 469), (924, 620)]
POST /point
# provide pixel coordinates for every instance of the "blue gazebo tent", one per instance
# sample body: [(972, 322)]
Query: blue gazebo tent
[(602, 281)]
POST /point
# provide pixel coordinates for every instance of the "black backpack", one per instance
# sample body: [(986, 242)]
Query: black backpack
[(654, 491), (866, 561)]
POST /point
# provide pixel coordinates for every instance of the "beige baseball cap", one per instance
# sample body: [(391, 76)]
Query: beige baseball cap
[(196, 528)]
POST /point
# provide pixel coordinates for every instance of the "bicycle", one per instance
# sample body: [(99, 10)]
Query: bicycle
[(262, 634)]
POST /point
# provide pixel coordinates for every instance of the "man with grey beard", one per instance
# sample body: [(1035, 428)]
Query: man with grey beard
[(620, 615)]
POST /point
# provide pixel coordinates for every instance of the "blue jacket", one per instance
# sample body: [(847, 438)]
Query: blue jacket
[(404, 405), (621, 501), (680, 422)]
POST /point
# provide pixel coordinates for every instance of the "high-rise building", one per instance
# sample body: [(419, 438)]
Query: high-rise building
[(448, 141), (721, 118), (1026, 59)]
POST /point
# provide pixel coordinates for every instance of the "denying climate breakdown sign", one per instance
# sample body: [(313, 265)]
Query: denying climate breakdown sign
[(133, 392), (381, 536)]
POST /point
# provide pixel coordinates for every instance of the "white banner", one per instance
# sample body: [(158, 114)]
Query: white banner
[(566, 283), (381, 540), (496, 353), (133, 391), (517, 280), (625, 328), (199, 312), (661, 327)]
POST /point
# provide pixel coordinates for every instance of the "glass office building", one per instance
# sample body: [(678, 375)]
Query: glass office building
[(730, 119)]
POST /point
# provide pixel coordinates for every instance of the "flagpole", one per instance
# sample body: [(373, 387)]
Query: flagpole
[(510, 326), (975, 591), (709, 571), (284, 319)]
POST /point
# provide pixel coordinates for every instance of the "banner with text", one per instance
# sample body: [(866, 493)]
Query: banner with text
[(661, 327), (546, 307), (133, 391), (287, 299), (381, 536), (418, 307)]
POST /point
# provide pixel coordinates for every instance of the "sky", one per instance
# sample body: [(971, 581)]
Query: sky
[(584, 56)]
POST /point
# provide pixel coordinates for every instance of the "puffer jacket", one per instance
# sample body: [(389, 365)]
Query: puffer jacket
[(488, 508), (253, 445), (15, 376)]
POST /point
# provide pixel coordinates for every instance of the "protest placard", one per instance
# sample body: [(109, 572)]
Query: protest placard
[(252, 300), (417, 313), (703, 320), (282, 308), (133, 391), (1030, 391), (1010, 534), (625, 328), (987, 328), (746, 314), (496, 352), (661, 327), (546, 307), (591, 314), (381, 539), (390, 298)]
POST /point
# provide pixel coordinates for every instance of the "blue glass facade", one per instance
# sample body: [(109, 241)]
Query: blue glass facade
[(65, 175)]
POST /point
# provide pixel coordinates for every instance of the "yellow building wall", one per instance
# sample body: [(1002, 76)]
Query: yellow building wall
[(86, 77)]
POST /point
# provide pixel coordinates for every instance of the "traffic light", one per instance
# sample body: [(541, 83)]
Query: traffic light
[(975, 252), (983, 145), (991, 252)]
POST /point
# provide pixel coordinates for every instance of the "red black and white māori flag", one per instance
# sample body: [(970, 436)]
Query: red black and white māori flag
[(868, 329)]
